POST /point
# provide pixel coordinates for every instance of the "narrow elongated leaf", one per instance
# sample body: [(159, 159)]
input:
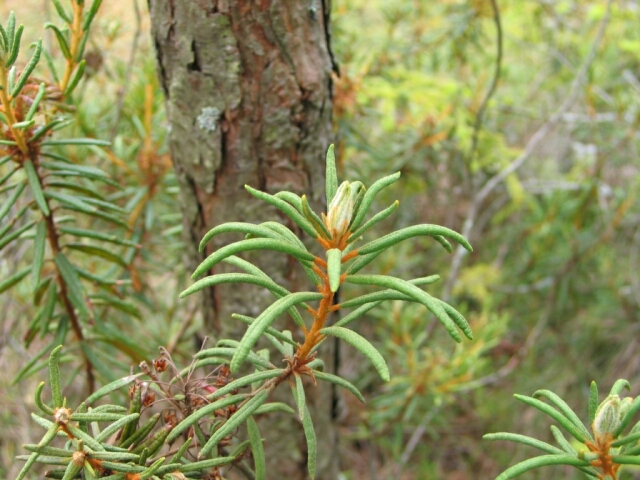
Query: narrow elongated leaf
[(75, 291), (220, 278), (335, 379), (38, 253), (9, 282), (142, 432), (264, 320), (620, 385), (334, 263), (256, 360), (553, 413), (28, 69), (79, 232), (593, 401), (68, 200), (362, 261), (15, 49), (532, 442), (628, 439), (96, 251), (270, 330), (248, 245), (7, 239), (541, 461), (54, 376), (414, 231), (246, 228), (362, 344), (7, 204), (46, 439), (369, 195), (292, 198), (625, 459), (62, 12), (377, 218), (111, 387), (62, 41), (76, 187), (8, 175), (40, 403), (289, 210), (299, 396), (36, 189), (75, 79), (274, 407), (203, 412), (389, 294), (331, 174), (77, 141), (357, 313), (234, 422), (413, 291), (205, 464), (564, 444), (315, 220), (90, 15), (117, 303), (565, 409), (245, 381), (83, 170), (312, 444), (257, 449)]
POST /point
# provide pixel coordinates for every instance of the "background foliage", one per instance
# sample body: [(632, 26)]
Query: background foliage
[(552, 290)]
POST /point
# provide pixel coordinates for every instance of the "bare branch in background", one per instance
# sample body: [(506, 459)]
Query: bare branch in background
[(129, 70), (534, 141)]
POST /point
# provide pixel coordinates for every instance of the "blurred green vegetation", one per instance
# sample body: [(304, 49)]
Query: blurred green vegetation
[(553, 287)]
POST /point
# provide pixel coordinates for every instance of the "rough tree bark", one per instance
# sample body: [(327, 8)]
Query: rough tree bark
[(248, 87)]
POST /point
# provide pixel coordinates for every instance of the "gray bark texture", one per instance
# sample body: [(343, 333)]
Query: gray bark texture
[(248, 88)]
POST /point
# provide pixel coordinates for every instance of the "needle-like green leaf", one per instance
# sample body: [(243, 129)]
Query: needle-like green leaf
[(334, 264), (257, 449), (328, 377), (240, 227), (414, 231), (593, 401), (532, 442), (620, 385), (244, 381), (28, 69), (264, 320), (299, 396), (111, 387), (36, 188), (234, 422), (331, 174), (369, 196), (378, 217), (553, 413), (38, 253), (9, 282), (312, 444), (541, 461), (565, 409), (288, 209), (362, 344), (248, 245), (54, 377), (413, 291)]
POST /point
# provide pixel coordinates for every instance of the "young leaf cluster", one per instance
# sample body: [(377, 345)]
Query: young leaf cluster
[(605, 448)]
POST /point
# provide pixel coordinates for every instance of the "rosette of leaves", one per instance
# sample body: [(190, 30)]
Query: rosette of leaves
[(337, 233), (55, 204), (114, 442), (605, 449)]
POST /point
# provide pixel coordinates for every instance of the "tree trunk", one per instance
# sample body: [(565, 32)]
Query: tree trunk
[(248, 87)]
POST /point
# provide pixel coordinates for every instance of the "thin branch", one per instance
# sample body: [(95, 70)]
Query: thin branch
[(534, 141), (494, 84), (129, 70)]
